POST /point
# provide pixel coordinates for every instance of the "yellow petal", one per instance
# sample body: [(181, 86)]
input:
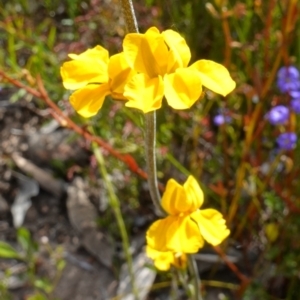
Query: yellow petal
[(183, 235), (98, 52), (152, 31), (144, 93), (119, 73), (172, 198), (156, 234), (179, 51), (182, 88), (174, 193), (212, 225), (146, 53), (214, 76), (164, 260), (177, 234), (89, 99), (87, 67), (194, 193)]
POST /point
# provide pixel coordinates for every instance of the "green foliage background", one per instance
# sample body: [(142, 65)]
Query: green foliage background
[(241, 172)]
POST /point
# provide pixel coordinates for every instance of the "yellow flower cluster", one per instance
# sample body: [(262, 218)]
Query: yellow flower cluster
[(151, 66), (185, 228)]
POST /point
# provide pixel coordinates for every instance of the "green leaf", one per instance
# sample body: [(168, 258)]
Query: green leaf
[(51, 37), (43, 284), (24, 239), (7, 251), (37, 296), (61, 264)]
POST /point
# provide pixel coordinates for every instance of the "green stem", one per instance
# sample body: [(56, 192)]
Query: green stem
[(129, 15), (150, 122), (174, 295), (115, 205), (194, 276), (150, 139)]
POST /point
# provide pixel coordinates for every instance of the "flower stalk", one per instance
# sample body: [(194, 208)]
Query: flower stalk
[(194, 277), (115, 205), (150, 141), (150, 121), (129, 15)]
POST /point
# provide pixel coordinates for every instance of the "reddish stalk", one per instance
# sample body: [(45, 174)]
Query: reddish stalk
[(289, 203), (228, 40), (65, 120), (127, 159), (231, 266), (251, 128), (267, 32)]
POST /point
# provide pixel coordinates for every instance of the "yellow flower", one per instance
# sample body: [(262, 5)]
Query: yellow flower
[(161, 60), (94, 76), (186, 226), (164, 259)]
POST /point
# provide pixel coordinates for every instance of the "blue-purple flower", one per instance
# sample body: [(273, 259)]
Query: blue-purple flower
[(295, 94), (278, 115), (287, 140), (288, 79), (221, 119), (295, 105)]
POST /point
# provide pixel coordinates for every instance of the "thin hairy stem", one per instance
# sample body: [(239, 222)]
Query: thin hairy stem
[(194, 276), (150, 140), (129, 15), (150, 123)]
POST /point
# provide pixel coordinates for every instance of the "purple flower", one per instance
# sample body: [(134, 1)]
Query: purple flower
[(295, 94), (278, 115), (295, 105), (221, 119), (288, 79), (287, 140)]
